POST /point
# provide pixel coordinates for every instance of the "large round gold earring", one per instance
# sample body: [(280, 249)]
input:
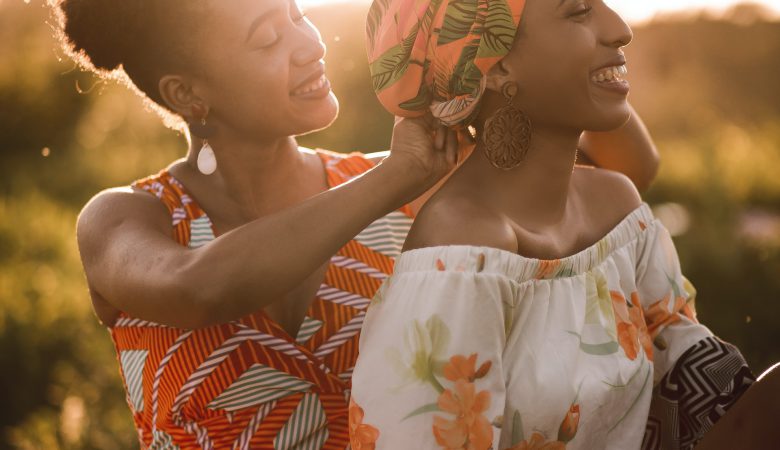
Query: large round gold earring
[(507, 133)]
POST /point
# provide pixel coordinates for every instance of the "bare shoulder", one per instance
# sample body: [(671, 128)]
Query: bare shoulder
[(113, 208), (460, 220), (607, 193)]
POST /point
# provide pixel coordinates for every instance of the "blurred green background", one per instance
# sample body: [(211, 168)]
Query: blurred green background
[(708, 89)]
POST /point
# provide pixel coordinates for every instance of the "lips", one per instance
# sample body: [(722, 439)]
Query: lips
[(617, 61), (610, 75), (312, 83), (607, 74)]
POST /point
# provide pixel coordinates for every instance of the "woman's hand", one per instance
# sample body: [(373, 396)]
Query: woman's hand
[(424, 150)]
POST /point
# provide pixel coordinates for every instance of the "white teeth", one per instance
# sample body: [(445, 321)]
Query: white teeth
[(313, 86), (614, 73)]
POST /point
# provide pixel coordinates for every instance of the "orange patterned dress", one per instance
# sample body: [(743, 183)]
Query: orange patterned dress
[(248, 383)]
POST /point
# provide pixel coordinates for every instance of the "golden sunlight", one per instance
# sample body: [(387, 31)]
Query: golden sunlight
[(636, 11)]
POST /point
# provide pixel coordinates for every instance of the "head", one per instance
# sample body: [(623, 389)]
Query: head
[(559, 50), (456, 59), (253, 69)]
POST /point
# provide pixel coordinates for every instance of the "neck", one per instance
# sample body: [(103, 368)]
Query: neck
[(250, 174), (539, 188)]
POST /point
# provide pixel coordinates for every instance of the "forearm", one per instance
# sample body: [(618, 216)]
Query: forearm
[(132, 262), (256, 264), (628, 149)]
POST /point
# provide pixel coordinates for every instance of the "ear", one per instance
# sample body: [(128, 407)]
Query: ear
[(497, 76), (177, 92)]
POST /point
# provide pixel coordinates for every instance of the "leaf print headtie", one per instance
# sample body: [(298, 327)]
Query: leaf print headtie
[(432, 55)]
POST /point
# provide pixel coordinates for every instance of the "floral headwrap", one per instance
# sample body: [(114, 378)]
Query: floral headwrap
[(433, 54)]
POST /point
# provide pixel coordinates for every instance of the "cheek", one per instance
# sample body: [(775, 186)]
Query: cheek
[(551, 90), (559, 91), (255, 86), (550, 71)]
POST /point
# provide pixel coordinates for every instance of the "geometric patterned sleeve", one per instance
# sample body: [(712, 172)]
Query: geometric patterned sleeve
[(703, 384), (697, 376)]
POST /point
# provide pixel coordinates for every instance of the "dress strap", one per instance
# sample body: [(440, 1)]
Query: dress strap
[(172, 194)]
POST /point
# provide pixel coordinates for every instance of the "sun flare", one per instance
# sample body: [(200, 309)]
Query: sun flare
[(632, 10)]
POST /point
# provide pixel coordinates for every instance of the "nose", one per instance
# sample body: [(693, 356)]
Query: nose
[(308, 45), (616, 32)]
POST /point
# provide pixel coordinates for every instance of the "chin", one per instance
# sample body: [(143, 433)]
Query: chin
[(609, 120), (321, 117)]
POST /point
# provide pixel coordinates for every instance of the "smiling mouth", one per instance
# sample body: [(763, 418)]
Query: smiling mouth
[(610, 74), (319, 83)]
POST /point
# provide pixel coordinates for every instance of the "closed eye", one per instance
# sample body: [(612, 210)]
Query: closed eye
[(582, 12), (270, 44)]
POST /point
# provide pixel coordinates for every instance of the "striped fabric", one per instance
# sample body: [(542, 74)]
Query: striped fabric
[(248, 384), (387, 234), (307, 428), (307, 330), (260, 384), (132, 362), (200, 232)]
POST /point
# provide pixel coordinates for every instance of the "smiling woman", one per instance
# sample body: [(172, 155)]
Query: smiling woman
[(234, 282), (537, 304), (631, 10)]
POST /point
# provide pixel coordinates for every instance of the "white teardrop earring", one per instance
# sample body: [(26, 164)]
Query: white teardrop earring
[(207, 161)]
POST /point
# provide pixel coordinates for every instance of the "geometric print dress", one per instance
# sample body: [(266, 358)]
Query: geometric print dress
[(248, 384)]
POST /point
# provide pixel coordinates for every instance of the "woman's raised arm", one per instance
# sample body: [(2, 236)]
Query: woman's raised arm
[(132, 263)]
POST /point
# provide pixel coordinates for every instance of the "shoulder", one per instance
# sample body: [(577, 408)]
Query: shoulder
[(113, 208), (609, 192), (460, 220)]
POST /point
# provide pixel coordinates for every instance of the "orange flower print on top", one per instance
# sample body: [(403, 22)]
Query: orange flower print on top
[(659, 314), (571, 421), (637, 317), (628, 338), (361, 436), (631, 328), (547, 268), (469, 430), (462, 368), (538, 442)]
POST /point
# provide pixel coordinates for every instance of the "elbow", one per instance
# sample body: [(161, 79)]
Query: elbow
[(197, 302), (202, 310), (212, 294)]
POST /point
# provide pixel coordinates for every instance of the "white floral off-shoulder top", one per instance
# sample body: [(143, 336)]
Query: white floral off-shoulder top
[(475, 348)]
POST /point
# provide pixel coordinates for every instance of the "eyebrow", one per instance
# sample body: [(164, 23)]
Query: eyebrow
[(257, 22)]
